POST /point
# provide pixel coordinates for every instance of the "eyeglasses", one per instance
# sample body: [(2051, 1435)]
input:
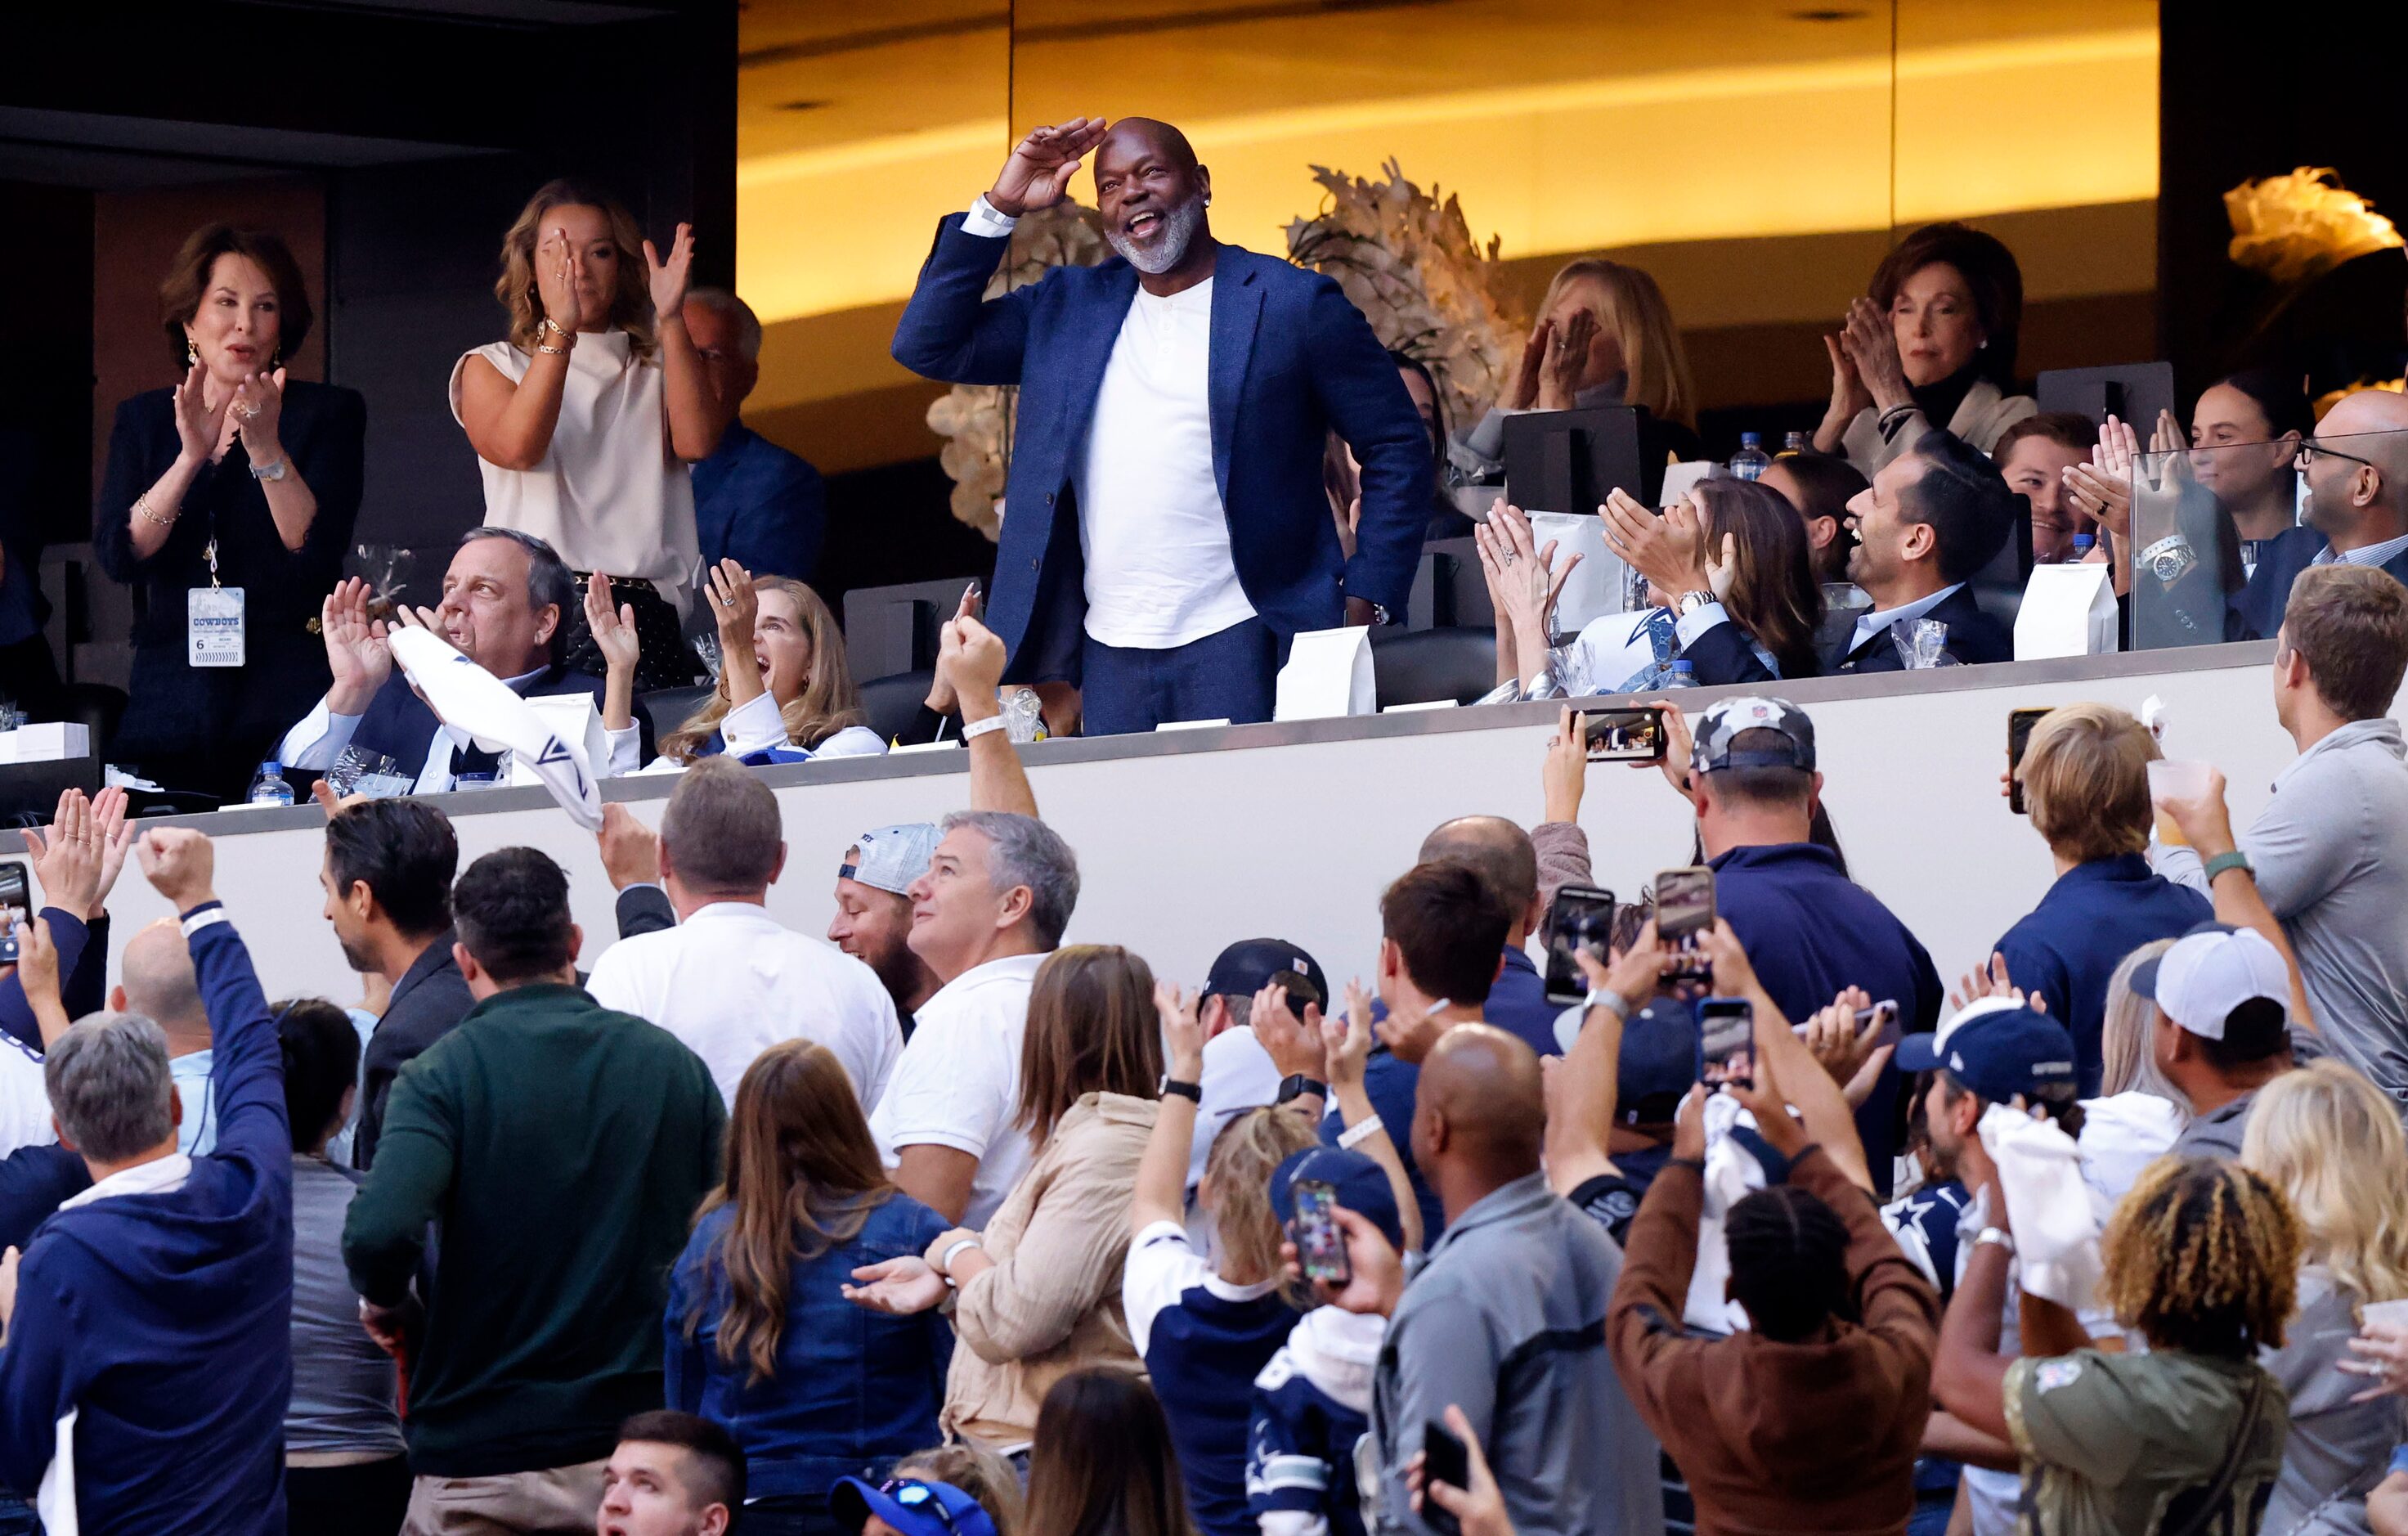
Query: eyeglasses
[(2310, 448), (920, 1498)]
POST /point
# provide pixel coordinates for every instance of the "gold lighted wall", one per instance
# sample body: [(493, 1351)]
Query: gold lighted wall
[(1756, 157)]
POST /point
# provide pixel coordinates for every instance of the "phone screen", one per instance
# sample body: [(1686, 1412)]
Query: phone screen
[(1444, 1459), (1319, 1246), (1685, 905), (15, 900), (1725, 1040), (1582, 917), (2019, 729), (1623, 736)]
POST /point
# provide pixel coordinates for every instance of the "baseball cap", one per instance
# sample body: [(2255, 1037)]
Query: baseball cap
[(2218, 979), (1246, 967), (1725, 719), (891, 858), (1997, 1047), (1362, 1188), (1657, 1065), (912, 1505)]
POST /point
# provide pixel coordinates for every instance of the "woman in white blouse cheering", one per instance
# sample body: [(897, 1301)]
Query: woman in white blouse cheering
[(585, 418)]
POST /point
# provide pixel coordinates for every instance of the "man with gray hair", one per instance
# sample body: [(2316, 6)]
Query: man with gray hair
[(156, 980), (507, 603), (755, 503), (729, 979), (149, 1323), (997, 893)]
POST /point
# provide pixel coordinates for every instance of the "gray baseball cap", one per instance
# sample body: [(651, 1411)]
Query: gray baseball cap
[(1725, 719), (891, 858)]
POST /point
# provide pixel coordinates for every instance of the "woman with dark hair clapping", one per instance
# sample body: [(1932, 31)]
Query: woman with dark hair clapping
[(228, 501)]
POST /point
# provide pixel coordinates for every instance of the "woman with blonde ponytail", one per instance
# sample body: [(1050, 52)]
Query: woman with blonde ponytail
[(2331, 1142)]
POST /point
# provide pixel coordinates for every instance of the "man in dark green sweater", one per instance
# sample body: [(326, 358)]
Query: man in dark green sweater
[(561, 1148)]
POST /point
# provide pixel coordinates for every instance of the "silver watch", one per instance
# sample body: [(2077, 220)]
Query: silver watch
[(1689, 602), (278, 470), (2169, 559), (1997, 1236)]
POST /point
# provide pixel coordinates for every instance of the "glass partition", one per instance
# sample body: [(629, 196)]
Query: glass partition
[(2220, 530)]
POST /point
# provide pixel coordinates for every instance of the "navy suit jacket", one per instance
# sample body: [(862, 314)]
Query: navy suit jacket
[(1974, 637), (760, 505), (1291, 359), (399, 725), (2280, 560)]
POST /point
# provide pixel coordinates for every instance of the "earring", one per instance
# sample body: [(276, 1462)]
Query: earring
[(1982, 346), (192, 354)]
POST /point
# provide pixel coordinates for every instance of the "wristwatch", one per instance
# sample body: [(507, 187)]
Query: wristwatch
[(1299, 1084), (272, 471), (1997, 1236), (1683, 605), (2169, 559), (1171, 1085)]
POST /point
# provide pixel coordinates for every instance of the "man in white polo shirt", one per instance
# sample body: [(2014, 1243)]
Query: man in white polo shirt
[(730, 980)]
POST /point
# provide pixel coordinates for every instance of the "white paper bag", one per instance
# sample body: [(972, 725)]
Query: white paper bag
[(1328, 672), (1683, 477), (2068, 611), (1601, 584), (573, 717)]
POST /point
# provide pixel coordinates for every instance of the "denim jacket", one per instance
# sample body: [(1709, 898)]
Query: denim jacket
[(854, 1389)]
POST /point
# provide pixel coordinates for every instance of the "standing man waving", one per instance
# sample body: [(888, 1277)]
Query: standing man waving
[(1165, 532)]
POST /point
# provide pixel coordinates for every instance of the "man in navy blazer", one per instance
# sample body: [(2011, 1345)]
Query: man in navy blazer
[(1165, 530), (1929, 520), (2357, 472), (506, 597)]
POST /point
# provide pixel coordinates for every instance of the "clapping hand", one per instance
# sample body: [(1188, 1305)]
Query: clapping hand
[(2103, 489), (1993, 981), (613, 628), (559, 267), (1870, 342), (199, 425), (1039, 173), (1566, 359), (1294, 1045), (70, 858), (258, 407), (1522, 577), (1346, 1040), (668, 279), (357, 651), (1669, 550), (1848, 393)]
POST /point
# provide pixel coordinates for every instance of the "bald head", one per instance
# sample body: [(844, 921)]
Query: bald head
[(1496, 850), (156, 979), (1146, 136), (2353, 503), (1480, 1113), (2368, 410)]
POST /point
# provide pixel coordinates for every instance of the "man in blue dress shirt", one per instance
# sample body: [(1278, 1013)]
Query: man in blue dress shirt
[(755, 503)]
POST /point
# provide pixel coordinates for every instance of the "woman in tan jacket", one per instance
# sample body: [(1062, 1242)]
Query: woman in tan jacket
[(1038, 1294)]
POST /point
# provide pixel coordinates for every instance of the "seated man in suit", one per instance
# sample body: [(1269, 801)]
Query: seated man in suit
[(1166, 531), (1931, 518), (2357, 471), (505, 601), (755, 503)]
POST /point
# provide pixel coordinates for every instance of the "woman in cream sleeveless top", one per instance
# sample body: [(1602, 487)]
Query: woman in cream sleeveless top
[(585, 418)]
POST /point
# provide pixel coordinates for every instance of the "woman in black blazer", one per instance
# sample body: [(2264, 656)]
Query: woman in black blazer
[(235, 479)]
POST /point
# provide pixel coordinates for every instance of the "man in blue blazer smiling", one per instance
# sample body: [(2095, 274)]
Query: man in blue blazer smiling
[(1165, 530)]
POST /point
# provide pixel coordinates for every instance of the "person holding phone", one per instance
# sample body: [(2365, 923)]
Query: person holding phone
[(2085, 784)]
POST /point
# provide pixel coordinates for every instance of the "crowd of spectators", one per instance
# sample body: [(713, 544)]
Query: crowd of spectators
[(945, 1227)]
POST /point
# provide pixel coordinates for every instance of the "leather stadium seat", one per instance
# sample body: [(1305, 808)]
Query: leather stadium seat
[(1423, 666)]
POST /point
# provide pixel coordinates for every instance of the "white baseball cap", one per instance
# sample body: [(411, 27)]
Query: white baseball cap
[(2210, 974)]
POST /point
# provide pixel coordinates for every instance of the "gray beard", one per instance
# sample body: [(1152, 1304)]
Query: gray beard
[(1179, 226)]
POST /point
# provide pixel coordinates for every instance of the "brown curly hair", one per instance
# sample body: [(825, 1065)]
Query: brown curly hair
[(631, 306), (2203, 1256)]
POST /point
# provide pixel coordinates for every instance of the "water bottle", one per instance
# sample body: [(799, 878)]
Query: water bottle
[(268, 787), (1792, 445), (2082, 545), (1684, 675), (1751, 459)]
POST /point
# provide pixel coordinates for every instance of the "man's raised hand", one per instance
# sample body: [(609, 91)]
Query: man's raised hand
[(1037, 175), (180, 865)]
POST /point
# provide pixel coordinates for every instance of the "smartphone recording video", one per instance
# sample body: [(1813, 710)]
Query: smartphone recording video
[(1726, 1041), (1684, 908), (1581, 917), (1320, 1245), (1623, 736), (2019, 729)]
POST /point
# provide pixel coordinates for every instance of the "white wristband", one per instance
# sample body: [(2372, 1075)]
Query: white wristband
[(1360, 1131), (976, 728), (945, 1262), (1609, 999)]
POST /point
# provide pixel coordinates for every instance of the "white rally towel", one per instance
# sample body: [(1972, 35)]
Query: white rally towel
[(2048, 1204), (467, 697)]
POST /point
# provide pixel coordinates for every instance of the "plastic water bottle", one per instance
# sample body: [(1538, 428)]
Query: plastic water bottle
[(1751, 460), (1684, 675), (2082, 545), (1792, 445), (268, 787)]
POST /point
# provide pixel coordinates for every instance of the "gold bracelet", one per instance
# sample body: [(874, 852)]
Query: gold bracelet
[(142, 506)]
